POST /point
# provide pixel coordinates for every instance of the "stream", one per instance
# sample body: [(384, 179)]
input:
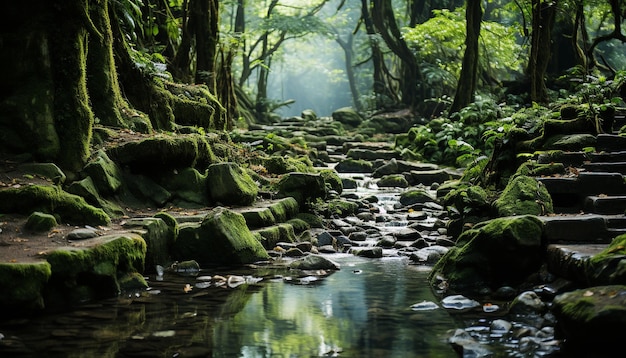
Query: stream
[(368, 308)]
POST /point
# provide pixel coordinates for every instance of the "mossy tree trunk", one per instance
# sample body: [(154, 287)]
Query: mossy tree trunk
[(73, 118)]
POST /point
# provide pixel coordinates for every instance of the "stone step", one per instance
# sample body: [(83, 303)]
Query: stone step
[(605, 204), (618, 156), (574, 159), (607, 167), (569, 261), (610, 143), (586, 183), (579, 229)]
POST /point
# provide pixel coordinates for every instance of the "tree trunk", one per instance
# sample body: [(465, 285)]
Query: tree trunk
[(206, 15), (73, 118), (469, 70), (348, 55), (102, 83), (543, 15), (409, 77)]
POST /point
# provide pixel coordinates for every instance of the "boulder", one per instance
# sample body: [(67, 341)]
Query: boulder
[(105, 174), (47, 170), (347, 116), (502, 251), (591, 321), (159, 237), (609, 266), (52, 200), (393, 180), (228, 184), (188, 185), (91, 269), (354, 166), (221, 238), (303, 187), (524, 195), (26, 282), (314, 262), (415, 196)]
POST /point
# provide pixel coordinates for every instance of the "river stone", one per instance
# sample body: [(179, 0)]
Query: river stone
[(347, 116), (369, 252), (314, 262), (592, 320), (228, 184), (159, 237), (393, 180), (497, 252), (32, 279), (466, 346), (415, 196), (527, 303), (82, 234), (354, 166)]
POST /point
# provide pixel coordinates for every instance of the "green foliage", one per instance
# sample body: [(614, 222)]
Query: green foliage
[(439, 44)]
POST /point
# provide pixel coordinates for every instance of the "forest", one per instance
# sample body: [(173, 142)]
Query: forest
[(153, 65)]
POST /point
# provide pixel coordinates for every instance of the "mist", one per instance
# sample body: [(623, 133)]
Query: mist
[(312, 73)]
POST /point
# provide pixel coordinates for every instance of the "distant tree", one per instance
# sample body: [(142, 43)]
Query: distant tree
[(469, 72), (543, 16)]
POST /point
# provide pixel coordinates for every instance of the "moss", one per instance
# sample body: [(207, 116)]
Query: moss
[(229, 184), (23, 285), (354, 166), (38, 221), (414, 196), (393, 180), (270, 236), (221, 238), (332, 180), (524, 196), (52, 200), (530, 168), (311, 219), (132, 281), (259, 217), (46, 170), (281, 165), (105, 174), (188, 185), (299, 225), (609, 266), (342, 208)]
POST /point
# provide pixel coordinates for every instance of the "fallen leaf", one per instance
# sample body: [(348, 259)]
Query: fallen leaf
[(187, 288)]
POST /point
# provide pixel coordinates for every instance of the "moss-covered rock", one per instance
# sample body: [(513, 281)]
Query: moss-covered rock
[(347, 116), (354, 166), (52, 200), (159, 238), (469, 200), (591, 321), (157, 154), (105, 174), (271, 235), (314, 221), (86, 189), (23, 285), (341, 208), (299, 225), (393, 180), (502, 251), (228, 184), (332, 180), (533, 169), (46, 170), (187, 185), (258, 217), (281, 165), (303, 187), (524, 196), (39, 221), (92, 269), (570, 142), (221, 238), (609, 266), (143, 191), (415, 196)]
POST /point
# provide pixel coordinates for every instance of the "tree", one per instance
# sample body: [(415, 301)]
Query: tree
[(543, 15), (409, 76), (469, 72)]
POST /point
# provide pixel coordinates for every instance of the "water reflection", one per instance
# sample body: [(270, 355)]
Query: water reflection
[(348, 315), (363, 310)]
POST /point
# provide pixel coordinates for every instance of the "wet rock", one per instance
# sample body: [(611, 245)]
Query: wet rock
[(459, 302), (354, 166), (369, 252), (187, 185), (221, 238), (407, 234), (349, 183), (32, 279), (527, 303), (466, 346), (591, 320), (159, 237), (414, 196), (325, 238), (393, 180), (386, 241), (499, 251), (357, 236), (314, 262), (47, 170), (105, 174)]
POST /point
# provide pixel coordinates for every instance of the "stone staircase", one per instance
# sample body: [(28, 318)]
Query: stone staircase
[(590, 205)]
